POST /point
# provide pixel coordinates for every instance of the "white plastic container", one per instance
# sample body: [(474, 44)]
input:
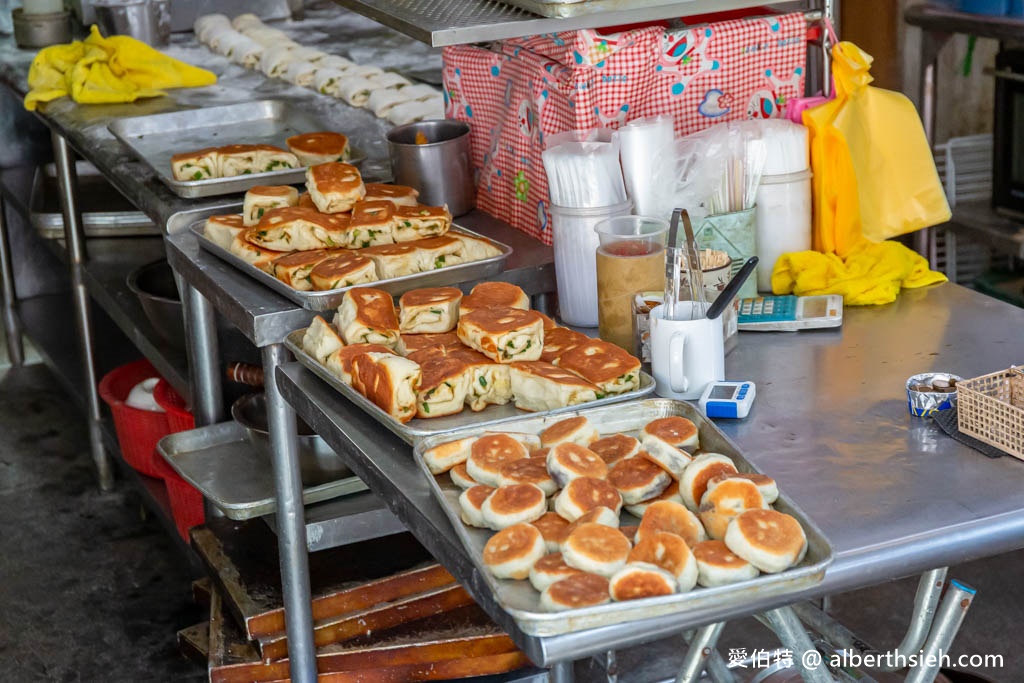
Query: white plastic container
[(575, 244), (783, 220)]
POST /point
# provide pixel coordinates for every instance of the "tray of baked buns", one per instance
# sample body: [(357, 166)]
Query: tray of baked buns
[(444, 361), (226, 149), (343, 233), (618, 513)]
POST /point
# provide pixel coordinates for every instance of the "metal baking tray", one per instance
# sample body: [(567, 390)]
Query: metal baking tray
[(331, 298), (155, 139), (237, 477), (561, 9), (105, 211), (418, 429), (522, 602)]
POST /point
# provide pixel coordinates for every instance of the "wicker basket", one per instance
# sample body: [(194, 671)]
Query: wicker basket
[(991, 409)]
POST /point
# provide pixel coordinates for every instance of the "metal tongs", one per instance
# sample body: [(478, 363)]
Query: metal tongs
[(688, 258)]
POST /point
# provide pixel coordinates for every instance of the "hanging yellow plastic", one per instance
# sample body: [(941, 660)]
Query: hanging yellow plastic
[(874, 176)]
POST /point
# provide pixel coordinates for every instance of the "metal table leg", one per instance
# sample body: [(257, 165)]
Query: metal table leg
[(931, 44), (203, 357), (792, 634), (701, 646), (562, 672), (74, 237), (291, 523), (717, 669), (12, 324), (948, 619)]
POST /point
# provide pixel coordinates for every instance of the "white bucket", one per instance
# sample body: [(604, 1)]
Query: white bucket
[(783, 220), (575, 244)]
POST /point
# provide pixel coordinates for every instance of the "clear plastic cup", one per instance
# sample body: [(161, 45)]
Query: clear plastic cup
[(630, 258)]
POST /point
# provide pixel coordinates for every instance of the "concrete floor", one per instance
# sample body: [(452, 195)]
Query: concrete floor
[(92, 591)]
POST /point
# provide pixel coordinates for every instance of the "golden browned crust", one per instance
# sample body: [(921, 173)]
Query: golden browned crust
[(525, 471), (717, 554), (670, 492), (552, 373), (443, 340), (232, 220), (598, 361), (558, 341), (391, 192), (346, 354), (495, 294), (513, 543), (197, 154), (271, 190), (330, 270), (552, 526), (700, 483), (579, 460), (371, 380), (733, 495), (325, 142), (598, 542), (372, 214), (771, 531), (499, 320), (491, 451), (640, 583), (562, 429), (390, 249), (516, 498), (306, 202), (662, 549), (672, 517), (430, 295), (478, 494), (333, 222), (634, 473), (374, 308), (437, 371), (673, 430), (305, 258), (614, 448), (553, 564), (335, 177), (588, 493), (581, 590)]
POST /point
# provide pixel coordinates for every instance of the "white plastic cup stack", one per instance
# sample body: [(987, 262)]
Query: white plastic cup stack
[(784, 197), (648, 153), (585, 184)]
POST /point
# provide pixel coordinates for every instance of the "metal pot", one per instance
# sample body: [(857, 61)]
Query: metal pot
[(153, 283), (40, 30), (316, 458)]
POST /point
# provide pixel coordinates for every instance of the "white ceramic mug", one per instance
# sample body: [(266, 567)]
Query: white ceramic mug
[(685, 354)]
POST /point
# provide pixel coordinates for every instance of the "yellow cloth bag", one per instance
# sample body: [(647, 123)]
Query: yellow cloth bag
[(874, 176), (105, 70)]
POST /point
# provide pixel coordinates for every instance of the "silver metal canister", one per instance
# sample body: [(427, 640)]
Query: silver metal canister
[(145, 20), (930, 392), (434, 157)]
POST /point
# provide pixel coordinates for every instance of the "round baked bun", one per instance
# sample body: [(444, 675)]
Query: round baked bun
[(554, 528), (527, 471), (584, 494), (550, 569), (489, 452), (728, 499), (598, 515), (640, 580), (616, 447), (701, 469), (514, 504), (670, 553), (471, 503), (765, 484), (719, 566), (672, 460), (596, 548), (574, 429), (677, 432), (666, 515), (445, 456), (531, 441), (670, 493), (567, 461), (638, 479), (582, 590), (510, 553), (460, 477), (770, 540), (540, 454)]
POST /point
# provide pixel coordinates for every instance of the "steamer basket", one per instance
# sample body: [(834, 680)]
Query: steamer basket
[(991, 409)]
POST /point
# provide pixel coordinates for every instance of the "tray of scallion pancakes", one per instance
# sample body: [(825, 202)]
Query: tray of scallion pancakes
[(617, 513), (445, 361), (344, 233)]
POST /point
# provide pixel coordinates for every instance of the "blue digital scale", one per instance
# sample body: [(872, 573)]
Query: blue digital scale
[(727, 399)]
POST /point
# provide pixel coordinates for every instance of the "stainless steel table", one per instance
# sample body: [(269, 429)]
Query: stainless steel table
[(895, 496)]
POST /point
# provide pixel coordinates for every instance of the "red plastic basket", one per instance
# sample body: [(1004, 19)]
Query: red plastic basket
[(186, 501), (179, 418), (138, 431)]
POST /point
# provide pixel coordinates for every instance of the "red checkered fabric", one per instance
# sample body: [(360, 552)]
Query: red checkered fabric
[(520, 90)]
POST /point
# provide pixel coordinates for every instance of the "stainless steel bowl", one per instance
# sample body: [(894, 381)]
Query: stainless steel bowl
[(316, 458), (153, 283), (40, 30)]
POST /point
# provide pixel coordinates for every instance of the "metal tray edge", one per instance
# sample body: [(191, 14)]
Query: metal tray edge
[(556, 623), (330, 299)]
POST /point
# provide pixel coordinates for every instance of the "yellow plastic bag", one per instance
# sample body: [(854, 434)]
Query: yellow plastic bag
[(874, 176)]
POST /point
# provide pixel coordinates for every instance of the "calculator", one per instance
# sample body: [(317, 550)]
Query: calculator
[(790, 313)]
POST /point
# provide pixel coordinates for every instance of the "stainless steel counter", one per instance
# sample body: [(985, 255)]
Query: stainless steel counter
[(894, 495)]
